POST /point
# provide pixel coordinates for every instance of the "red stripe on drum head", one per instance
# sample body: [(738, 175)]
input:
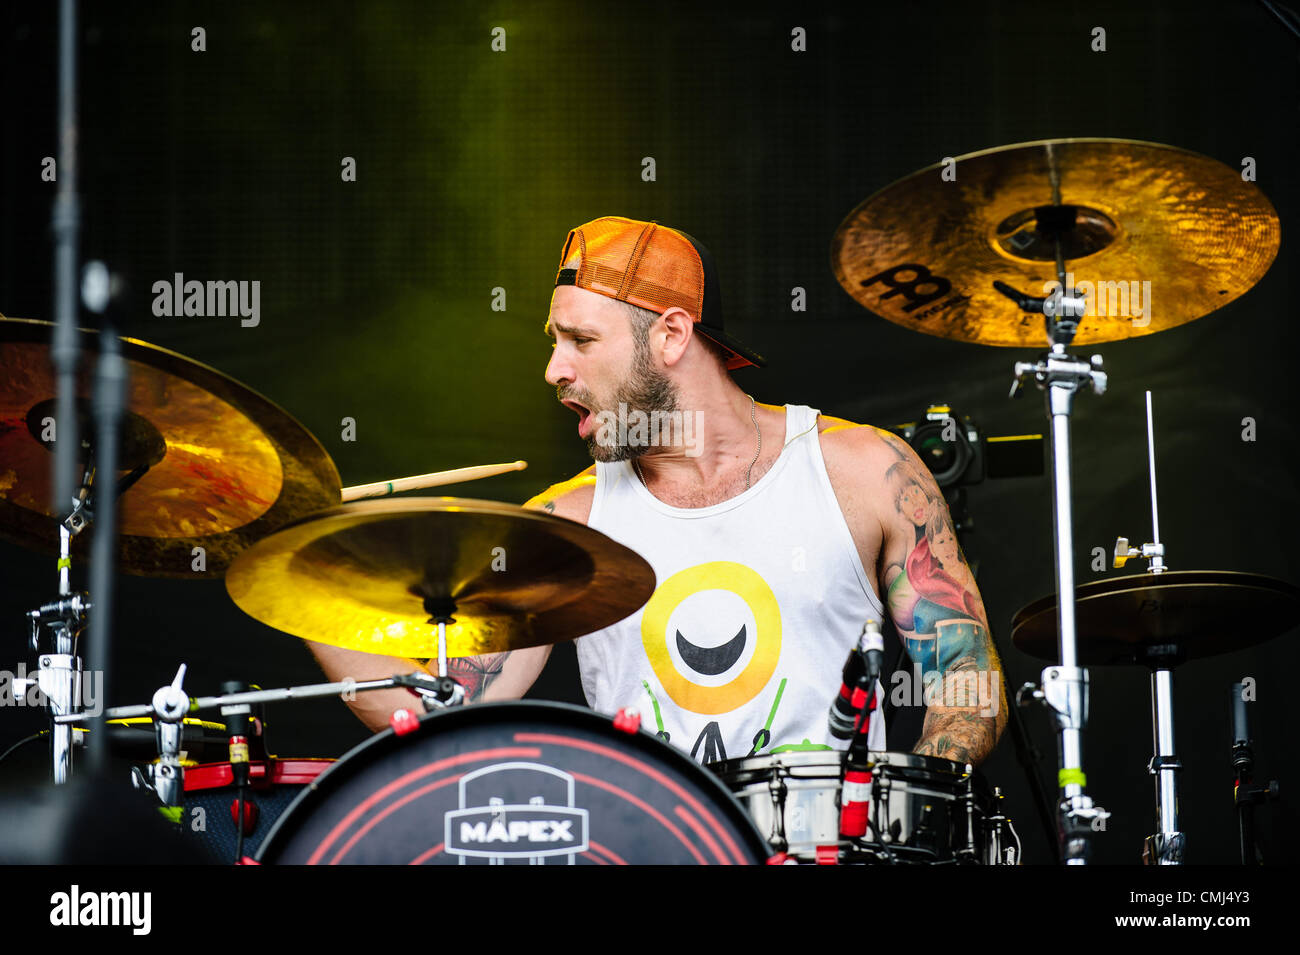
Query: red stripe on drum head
[(388, 811), (605, 850), (426, 855), (700, 831), (649, 810), (386, 791), (654, 774)]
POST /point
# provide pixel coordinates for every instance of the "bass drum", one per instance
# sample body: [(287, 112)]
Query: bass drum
[(515, 783)]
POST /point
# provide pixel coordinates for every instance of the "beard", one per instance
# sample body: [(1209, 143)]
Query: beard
[(646, 390)]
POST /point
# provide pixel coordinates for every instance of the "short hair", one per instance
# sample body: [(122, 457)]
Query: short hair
[(643, 318)]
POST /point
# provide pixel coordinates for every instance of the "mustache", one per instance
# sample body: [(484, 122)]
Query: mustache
[(569, 394)]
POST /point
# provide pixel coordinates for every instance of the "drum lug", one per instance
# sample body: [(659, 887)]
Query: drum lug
[(404, 722), (777, 788), (628, 719)]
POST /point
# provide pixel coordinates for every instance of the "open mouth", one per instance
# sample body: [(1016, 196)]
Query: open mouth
[(585, 416)]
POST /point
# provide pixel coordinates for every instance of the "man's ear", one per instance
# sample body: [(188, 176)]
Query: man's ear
[(678, 327)]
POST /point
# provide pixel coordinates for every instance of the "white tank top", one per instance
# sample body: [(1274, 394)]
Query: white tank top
[(759, 598)]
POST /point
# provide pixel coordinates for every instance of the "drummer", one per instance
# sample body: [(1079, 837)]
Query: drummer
[(774, 532)]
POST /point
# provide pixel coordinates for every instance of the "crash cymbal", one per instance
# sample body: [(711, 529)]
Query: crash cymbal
[(1163, 618), (368, 575), (925, 251), (222, 466)]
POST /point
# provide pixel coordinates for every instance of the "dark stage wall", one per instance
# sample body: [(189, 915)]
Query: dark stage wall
[(473, 164)]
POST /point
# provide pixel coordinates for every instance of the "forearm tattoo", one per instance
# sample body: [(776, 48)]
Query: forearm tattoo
[(476, 673)]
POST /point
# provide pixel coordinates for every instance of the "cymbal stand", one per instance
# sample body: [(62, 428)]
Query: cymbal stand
[(441, 612), (1064, 687), (59, 672), (422, 683), (1167, 846)]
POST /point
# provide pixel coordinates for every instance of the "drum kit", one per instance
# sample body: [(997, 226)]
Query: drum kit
[(213, 480)]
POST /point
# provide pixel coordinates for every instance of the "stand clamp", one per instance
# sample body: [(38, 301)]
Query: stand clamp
[(1057, 369), (166, 777), (436, 692), (1152, 552)]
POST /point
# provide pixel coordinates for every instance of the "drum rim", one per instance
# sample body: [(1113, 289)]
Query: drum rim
[(806, 759), (479, 714)]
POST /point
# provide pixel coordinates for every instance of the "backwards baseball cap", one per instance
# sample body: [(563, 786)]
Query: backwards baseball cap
[(653, 267)]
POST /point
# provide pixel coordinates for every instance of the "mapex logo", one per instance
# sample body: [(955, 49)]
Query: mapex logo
[(516, 811)]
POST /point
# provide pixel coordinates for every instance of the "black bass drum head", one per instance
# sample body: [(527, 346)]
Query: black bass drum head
[(517, 784)]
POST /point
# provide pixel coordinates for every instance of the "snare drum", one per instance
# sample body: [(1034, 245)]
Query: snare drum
[(515, 783), (922, 809)]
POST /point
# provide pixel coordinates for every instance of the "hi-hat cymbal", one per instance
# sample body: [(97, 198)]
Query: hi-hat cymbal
[(1163, 619), (925, 251), (369, 575), (223, 466)]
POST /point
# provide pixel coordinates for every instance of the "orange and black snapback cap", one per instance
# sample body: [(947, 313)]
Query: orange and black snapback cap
[(653, 267)]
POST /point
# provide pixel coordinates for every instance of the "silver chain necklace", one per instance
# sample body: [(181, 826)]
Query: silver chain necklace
[(753, 416)]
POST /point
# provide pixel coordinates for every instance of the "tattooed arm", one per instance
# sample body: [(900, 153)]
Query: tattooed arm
[(493, 676), (931, 595)]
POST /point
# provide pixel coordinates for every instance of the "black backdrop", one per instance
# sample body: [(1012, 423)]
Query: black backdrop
[(472, 164)]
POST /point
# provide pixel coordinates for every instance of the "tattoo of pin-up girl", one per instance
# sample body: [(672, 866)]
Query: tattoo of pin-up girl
[(931, 586)]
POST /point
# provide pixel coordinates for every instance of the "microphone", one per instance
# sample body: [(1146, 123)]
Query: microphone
[(858, 679), (239, 727), (866, 660)]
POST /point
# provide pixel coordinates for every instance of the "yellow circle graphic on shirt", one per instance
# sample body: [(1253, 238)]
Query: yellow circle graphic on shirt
[(757, 595)]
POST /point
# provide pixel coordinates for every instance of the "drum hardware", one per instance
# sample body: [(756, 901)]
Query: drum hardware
[(436, 693), (1168, 846), (59, 674), (1028, 210), (997, 827), (165, 777), (1061, 376), (778, 789), (196, 704), (1159, 620)]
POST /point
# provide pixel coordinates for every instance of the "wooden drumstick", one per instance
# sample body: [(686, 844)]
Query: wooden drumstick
[(433, 479)]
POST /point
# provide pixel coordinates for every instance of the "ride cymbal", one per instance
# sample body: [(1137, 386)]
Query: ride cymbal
[(218, 465), (1160, 235), (370, 575), (1164, 618)]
